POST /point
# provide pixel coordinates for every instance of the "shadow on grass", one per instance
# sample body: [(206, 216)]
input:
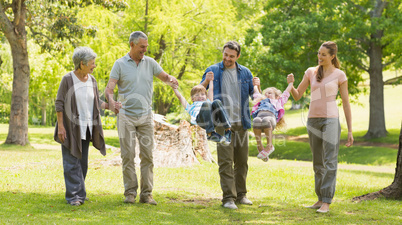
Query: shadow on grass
[(370, 173), (19, 148), (366, 155), (39, 208), (391, 138)]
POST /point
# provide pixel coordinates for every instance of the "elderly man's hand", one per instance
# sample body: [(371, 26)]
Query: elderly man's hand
[(117, 107), (172, 82)]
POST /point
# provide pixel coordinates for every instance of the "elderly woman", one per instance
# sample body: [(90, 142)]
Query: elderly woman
[(78, 122)]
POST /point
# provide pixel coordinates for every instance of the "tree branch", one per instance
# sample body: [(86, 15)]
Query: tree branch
[(361, 66), (17, 12), (393, 60), (379, 8), (40, 34), (364, 10), (289, 9), (5, 25)]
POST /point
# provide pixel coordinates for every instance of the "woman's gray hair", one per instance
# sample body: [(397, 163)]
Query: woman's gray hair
[(84, 55), (136, 35)]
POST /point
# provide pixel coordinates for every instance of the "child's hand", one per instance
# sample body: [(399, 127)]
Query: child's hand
[(209, 76), (256, 81), (290, 78)]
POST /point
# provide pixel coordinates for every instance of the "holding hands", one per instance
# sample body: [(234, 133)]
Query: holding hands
[(209, 76), (172, 82), (290, 78), (256, 81)]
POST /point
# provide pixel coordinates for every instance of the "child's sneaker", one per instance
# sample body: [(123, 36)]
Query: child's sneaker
[(272, 149), (262, 155), (215, 137), (228, 137)]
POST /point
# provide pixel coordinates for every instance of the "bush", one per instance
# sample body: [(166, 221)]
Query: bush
[(4, 112), (108, 122)]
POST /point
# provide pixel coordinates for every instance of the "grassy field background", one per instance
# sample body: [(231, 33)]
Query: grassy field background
[(32, 184)]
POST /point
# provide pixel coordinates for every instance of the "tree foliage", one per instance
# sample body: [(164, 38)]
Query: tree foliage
[(292, 40)]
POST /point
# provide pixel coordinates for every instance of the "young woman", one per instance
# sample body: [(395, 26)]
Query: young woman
[(323, 126)]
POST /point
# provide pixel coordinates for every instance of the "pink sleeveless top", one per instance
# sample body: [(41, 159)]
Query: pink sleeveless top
[(323, 94)]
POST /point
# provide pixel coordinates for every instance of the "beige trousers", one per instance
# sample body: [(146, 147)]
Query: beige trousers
[(130, 130)]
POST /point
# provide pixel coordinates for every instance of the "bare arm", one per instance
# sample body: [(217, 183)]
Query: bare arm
[(210, 95), (168, 79), (290, 87), (61, 132), (111, 105), (105, 105), (181, 98), (348, 112), (257, 95), (298, 93), (256, 82), (208, 78)]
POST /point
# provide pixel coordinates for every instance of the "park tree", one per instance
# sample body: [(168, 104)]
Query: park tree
[(48, 22), (371, 31), (367, 33)]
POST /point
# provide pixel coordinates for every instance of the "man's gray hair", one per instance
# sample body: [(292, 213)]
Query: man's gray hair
[(84, 55), (136, 35)]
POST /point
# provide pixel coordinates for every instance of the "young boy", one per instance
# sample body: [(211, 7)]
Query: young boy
[(207, 113)]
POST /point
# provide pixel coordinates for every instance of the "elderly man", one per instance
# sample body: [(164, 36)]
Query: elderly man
[(133, 74), (233, 84)]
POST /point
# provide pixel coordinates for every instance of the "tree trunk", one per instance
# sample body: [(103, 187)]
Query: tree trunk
[(377, 118), (16, 35), (146, 18), (43, 108), (393, 191)]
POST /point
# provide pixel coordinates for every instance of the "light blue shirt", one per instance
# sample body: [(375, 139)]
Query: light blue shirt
[(135, 84), (194, 110)]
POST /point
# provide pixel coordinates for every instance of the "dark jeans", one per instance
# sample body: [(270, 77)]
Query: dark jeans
[(211, 115), (75, 171), (233, 166)]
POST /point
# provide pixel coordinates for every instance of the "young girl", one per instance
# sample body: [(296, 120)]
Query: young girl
[(268, 113)]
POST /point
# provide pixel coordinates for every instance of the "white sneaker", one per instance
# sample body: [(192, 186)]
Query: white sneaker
[(229, 205), (245, 201)]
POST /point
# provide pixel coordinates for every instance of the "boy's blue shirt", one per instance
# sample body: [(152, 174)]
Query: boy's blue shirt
[(194, 110), (245, 78)]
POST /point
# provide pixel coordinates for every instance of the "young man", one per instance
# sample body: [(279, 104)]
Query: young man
[(233, 85)]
